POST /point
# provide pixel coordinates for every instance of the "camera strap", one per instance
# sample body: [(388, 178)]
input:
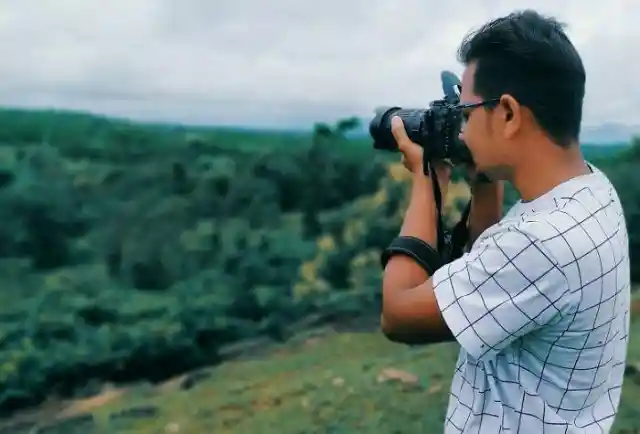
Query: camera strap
[(415, 248), (425, 255), (460, 233), (437, 195)]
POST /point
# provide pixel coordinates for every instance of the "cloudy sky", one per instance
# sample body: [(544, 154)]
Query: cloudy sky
[(280, 62)]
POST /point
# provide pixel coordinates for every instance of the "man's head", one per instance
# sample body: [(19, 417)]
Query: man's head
[(526, 64)]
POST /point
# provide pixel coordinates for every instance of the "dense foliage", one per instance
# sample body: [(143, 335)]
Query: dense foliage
[(133, 252)]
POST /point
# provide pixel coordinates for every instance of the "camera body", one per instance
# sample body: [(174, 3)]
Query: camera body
[(436, 128)]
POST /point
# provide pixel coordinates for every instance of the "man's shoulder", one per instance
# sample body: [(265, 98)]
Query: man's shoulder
[(523, 229), (516, 242), (568, 224)]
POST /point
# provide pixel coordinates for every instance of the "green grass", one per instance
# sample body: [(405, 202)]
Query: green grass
[(333, 382)]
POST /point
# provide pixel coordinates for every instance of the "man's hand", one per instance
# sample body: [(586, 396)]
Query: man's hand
[(474, 177), (412, 155), (411, 152), (421, 218), (470, 171)]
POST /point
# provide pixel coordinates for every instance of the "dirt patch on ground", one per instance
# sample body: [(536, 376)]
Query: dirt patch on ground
[(54, 410), (87, 405)]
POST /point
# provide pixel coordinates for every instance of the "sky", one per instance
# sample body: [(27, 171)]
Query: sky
[(280, 63)]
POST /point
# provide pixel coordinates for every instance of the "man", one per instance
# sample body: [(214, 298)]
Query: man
[(540, 302)]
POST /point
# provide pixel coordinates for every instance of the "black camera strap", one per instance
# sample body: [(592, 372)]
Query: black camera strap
[(437, 195), (460, 233), (425, 255), (415, 248)]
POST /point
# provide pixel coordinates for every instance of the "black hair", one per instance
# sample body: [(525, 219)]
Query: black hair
[(530, 57)]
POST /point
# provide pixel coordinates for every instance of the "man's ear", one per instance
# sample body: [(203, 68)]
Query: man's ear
[(511, 115)]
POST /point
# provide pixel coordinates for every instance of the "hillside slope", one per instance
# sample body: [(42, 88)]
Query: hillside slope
[(327, 381), (133, 253)]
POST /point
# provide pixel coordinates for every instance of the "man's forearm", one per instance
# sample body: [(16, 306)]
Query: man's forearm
[(402, 274), (421, 218), (419, 221), (421, 215), (486, 208)]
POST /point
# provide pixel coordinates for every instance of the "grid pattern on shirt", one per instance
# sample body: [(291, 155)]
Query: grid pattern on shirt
[(540, 308)]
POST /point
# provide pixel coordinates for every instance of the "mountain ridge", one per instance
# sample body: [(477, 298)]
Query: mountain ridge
[(609, 133)]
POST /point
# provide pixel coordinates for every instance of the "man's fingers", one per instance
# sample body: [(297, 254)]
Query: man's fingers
[(412, 153), (405, 163), (399, 134)]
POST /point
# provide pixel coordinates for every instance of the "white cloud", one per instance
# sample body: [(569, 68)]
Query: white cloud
[(279, 62)]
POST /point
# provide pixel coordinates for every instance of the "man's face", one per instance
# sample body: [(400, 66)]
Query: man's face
[(481, 131)]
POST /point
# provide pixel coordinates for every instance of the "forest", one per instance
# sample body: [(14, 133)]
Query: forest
[(135, 252)]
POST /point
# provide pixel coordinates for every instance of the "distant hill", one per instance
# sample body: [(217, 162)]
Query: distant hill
[(604, 134), (610, 133)]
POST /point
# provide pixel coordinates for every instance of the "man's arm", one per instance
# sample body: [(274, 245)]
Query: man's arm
[(486, 207), (403, 274), (506, 287)]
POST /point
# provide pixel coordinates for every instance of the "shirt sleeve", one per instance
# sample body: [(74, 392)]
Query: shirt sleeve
[(505, 287)]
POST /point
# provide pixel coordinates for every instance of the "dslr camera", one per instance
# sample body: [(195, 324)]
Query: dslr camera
[(436, 128)]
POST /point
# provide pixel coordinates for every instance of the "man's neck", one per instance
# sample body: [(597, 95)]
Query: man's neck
[(544, 170)]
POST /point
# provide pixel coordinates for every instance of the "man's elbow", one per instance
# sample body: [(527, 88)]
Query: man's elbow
[(403, 336), (388, 331), (394, 322), (398, 330)]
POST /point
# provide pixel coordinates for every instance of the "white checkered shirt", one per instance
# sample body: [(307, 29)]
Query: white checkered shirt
[(540, 307)]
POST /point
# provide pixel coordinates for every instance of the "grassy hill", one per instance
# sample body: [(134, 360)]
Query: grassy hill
[(136, 254), (332, 379)]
